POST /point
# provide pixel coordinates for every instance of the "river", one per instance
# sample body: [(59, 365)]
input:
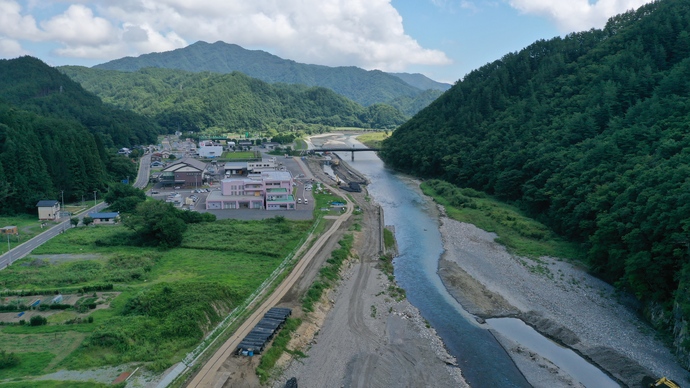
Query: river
[(483, 361)]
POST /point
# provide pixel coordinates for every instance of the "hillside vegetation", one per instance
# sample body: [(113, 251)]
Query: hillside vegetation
[(55, 136), (362, 86), (588, 134), (180, 100)]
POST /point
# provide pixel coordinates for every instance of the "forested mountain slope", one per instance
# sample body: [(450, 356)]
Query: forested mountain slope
[(362, 86), (420, 81), (54, 135), (188, 101), (590, 134)]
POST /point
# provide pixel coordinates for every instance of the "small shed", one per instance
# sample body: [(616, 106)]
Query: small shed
[(48, 209), (9, 230), (104, 218)]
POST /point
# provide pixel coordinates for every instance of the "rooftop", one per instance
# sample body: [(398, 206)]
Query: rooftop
[(277, 175), (188, 161), (104, 215), (47, 203)]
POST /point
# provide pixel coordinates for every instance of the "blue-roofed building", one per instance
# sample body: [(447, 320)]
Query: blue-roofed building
[(105, 218)]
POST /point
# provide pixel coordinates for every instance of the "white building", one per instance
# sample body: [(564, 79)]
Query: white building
[(268, 164), (209, 149)]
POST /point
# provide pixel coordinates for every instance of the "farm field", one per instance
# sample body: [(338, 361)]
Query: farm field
[(125, 304)]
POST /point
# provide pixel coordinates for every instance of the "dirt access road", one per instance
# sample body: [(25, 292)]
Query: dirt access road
[(212, 372), (359, 336)]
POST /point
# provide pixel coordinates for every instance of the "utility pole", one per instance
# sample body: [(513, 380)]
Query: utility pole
[(94, 198), (62, 207), (9, 250)]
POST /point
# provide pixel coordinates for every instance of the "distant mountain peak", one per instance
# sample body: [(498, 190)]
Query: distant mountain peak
[(362, 86)]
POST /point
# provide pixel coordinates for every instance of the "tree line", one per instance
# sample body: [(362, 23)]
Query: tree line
[(589, 134), (58, 140), (184, 101)]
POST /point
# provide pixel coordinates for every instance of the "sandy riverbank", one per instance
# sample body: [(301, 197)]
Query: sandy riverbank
[(558, 299), (360, 336)]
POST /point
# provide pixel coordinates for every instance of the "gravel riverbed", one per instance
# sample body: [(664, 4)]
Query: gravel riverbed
[(559, 300)]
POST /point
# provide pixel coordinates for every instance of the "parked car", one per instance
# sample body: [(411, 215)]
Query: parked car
[(299, 200)]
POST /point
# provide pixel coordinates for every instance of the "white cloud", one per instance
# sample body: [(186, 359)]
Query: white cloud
[(78, 26), (365, 33), (10, 48), (15, 25), (577, 15)]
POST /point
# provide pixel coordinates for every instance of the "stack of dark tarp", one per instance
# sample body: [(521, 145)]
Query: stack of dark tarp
[(264, 331), (352, 187)]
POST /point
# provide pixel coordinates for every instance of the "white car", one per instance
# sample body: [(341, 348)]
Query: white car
[(306, 201), (299, 200)]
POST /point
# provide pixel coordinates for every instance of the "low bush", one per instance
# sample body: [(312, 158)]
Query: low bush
[(38, 320)]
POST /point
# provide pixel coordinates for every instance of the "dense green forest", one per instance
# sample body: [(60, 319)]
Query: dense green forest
[(55, 136), (362, 86), (589, 134), (181, 100)]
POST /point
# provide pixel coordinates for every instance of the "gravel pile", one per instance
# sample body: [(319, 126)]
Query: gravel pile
[(564, 303)]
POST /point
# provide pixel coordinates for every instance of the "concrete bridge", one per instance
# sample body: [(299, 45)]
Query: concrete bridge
[(344, 149)]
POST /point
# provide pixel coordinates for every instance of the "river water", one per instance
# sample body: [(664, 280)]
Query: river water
[(483, 361)]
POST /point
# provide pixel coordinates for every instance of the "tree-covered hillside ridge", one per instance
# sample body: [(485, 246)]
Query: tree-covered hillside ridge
[(362, 86), (181, 100), (590, 134), (55, 136)]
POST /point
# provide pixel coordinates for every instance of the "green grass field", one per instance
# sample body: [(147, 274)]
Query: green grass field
[(520, 234), (28, 226), (373, 139), (238, 155), (162, 303)]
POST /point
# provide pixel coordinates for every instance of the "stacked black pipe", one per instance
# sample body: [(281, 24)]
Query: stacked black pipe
[(264, 331)]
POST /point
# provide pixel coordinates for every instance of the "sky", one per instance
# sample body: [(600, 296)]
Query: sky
[(442, 39)]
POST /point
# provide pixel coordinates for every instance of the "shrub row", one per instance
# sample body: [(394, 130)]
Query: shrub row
[(54, 291), (10, 308), (328, 274)]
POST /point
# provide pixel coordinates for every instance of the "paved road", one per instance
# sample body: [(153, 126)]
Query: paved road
[(26, 247)]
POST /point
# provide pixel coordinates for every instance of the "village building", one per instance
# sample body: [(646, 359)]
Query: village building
[(187, 172), (9, 230), (48, 209), (270, 190), (209, 149), (266, 164), (105, 218)]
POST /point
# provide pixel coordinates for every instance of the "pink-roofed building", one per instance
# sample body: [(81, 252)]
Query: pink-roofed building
[(271, 190)]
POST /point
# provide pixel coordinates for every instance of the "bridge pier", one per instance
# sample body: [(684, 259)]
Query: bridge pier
[(353, 156)]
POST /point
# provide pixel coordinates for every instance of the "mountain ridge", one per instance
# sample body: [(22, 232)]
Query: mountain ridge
[(195, 101), (367, 87)]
